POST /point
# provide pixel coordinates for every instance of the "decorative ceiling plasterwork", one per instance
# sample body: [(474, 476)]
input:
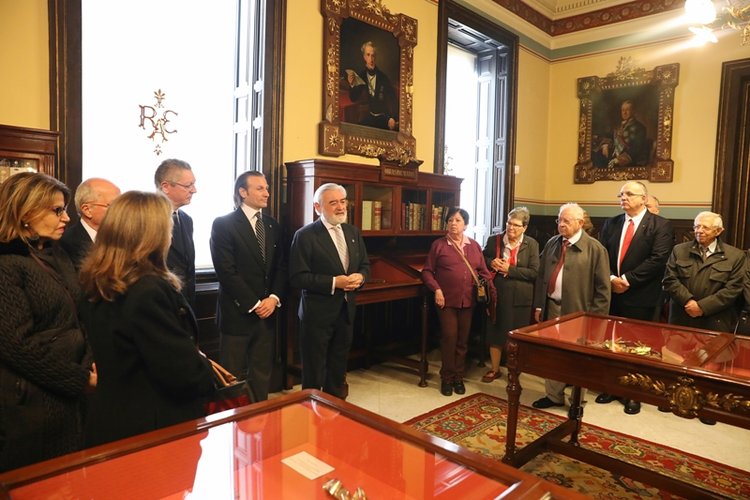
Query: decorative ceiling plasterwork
[(597, 17)]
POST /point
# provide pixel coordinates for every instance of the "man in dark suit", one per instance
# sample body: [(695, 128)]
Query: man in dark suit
[(175, 179), (251, 268), (328, 262), (638, 243), (92, 199)]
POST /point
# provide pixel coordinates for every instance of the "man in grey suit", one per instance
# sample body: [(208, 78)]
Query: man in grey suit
[(328, 262), (92, 199), (249, 260), (574, 276), (175, 179)]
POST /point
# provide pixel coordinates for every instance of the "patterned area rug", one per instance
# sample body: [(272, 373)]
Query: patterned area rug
[(477, 422)]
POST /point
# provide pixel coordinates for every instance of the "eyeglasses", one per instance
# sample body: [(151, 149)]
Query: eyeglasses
[(186, 186), (103, 205), (59, 211), (567, 222), (628, 194), (511, 224), (701, 227)]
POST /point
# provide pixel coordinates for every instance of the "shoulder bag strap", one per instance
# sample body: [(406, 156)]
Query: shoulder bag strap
[(471, 270)]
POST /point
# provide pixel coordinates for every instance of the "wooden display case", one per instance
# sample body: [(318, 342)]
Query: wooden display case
[(395, 318), (689, 372), (250, 453), (27, 149)]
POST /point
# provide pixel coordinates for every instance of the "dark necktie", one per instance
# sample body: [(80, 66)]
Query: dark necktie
[(260, 233), (704, 252), (558, 267), (626, 242), (177, 231)]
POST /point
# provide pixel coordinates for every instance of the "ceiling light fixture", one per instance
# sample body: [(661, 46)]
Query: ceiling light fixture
[(704, 18)]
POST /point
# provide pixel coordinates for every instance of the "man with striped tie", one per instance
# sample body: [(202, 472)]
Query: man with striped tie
[(250, 264)]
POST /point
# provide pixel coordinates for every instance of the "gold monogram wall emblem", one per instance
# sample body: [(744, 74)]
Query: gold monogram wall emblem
[(158, 118)]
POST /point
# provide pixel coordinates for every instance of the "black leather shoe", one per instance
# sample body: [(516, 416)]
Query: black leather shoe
[(632, 407), (707, 421), (458, 387), (605, 398), (446, 389), (545, 403)]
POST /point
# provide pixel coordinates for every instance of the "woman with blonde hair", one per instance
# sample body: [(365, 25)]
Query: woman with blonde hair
[(140, 327), (45, 364)]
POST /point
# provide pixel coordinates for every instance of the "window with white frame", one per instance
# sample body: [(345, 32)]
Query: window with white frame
[(181, 78)]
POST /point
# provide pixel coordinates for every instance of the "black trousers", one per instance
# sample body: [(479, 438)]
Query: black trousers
[(250, 357), (324, 350)]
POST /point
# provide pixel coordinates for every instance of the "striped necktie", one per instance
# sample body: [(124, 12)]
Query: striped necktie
[(260, 234), (340, 242)]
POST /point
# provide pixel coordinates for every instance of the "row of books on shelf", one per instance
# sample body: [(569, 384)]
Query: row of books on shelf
[(372, 215), (414, 216)]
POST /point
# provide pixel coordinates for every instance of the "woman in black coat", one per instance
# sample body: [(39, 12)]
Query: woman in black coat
[(141, 329), (515, 258), (45, 365)]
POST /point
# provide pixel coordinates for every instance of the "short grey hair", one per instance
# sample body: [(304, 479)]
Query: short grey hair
[(520, 213), (718, 222), (167, 169), (575, 208), (329, 186), (371, 44)]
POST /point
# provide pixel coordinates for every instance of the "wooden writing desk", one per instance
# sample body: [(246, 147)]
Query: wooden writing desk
[(692, 372)]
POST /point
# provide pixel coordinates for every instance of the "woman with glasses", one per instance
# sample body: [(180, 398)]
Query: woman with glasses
[(514, 258), (140, 326), (45, 365), (452, 268)]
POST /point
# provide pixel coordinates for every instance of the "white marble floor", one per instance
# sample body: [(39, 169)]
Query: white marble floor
[(392, 391)]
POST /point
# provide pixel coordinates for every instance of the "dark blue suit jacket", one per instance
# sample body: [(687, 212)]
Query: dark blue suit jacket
[(244, 279), (181, 256), (77, 242), (645, 261), (314, 261)]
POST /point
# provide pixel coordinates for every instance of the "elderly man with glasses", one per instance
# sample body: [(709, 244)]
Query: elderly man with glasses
[(573, 276), (638, 243), (175, 179), (92, 199), (705, 278)]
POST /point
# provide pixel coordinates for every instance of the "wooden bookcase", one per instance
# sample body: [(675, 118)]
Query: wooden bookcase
[(398, 196), (26, 149), (393, 320)]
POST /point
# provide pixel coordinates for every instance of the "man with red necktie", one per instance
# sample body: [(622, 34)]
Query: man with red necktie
[(573, 276), (638, 243)]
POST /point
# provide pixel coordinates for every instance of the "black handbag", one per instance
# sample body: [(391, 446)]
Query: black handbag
[(230, 392), (482, 291)]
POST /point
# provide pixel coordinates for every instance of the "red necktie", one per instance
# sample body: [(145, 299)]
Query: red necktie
[(512, 258), (626, 242), (558, 267)]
